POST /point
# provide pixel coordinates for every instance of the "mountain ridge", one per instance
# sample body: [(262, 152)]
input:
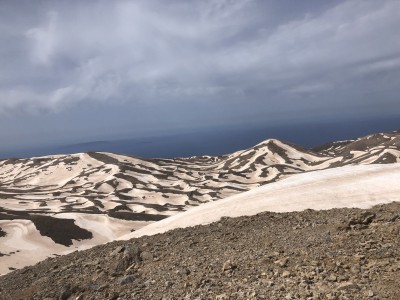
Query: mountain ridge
[(108, 195)]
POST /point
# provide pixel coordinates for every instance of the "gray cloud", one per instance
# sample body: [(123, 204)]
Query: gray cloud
[(58, 55)]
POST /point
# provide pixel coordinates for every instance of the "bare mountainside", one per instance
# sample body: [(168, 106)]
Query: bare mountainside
[(57, 204)]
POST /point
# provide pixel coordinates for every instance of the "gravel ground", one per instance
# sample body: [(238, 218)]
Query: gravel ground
[(334, 254)]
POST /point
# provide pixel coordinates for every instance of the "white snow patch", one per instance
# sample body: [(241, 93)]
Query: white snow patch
[(351, 186)]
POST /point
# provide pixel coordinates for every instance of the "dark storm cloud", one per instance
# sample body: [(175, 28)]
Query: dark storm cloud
[(284, 55)]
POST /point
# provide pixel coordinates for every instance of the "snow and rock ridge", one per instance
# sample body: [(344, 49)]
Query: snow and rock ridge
[(98, 197), (360, 186)]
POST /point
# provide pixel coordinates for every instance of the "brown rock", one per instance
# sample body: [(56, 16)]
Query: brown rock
[(348, 285), (228, 266), (282, 262)]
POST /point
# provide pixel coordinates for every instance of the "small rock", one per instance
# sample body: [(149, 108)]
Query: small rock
[(342, 226), (273, 254), (331, 296), (282, 262), (113, 296), (228, 266), (270, 283), (289, 296), (126, 279), (221, 297), (94, 286), (66, 292), (132, 253), (130, 256), (332, 278), (368, 217), (285, 274), (370, 293), (117, 250), (145, 255), (348, 285), (355, 269), (359, 257)]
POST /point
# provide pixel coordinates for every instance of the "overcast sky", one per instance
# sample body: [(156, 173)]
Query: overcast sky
[(75, 71)]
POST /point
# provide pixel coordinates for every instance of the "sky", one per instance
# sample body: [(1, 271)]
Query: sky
[(82, 71)]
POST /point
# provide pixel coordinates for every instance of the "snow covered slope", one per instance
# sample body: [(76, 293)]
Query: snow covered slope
[(138, 189), (57, 204), (352, 186)]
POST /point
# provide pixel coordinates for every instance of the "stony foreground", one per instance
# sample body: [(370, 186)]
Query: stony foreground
[(335, 254)]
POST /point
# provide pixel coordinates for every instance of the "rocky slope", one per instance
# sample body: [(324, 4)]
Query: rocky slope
[(331, 254), (56, 204)]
